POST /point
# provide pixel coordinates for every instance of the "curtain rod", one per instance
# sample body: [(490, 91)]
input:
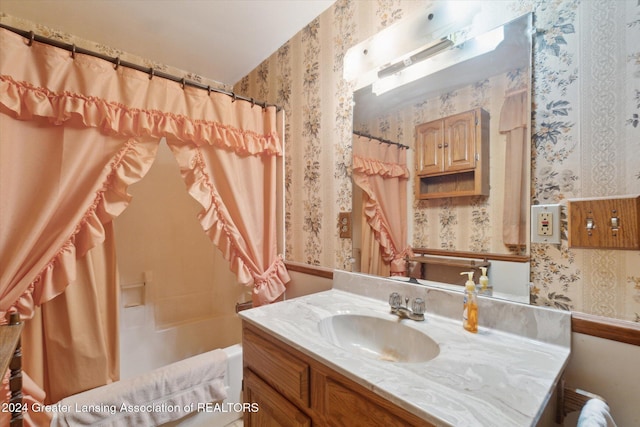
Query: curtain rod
[(386, 141), (31, 37)]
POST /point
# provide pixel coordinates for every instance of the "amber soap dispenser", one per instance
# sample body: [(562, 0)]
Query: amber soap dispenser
[(470, 312)]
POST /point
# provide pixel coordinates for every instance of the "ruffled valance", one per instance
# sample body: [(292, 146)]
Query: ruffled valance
[(369, 166), (26, 101)]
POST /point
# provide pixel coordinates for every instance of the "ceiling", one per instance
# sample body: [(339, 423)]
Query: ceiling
[(222, 40)]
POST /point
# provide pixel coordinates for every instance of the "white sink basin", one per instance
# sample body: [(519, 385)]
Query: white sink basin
[(381, 339)]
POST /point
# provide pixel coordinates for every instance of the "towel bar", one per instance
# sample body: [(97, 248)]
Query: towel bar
[(133, 285), (571, 399), (240, 306)]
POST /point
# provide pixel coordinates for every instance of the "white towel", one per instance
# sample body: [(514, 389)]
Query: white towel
[(150, 399), (595, 413)]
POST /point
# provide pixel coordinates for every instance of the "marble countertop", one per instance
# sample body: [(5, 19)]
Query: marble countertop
[(489, 378)]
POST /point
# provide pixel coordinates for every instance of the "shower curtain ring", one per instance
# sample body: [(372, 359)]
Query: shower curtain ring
[(73, 51), (32, 37), (209, 89), (253, 102), (183, 82), (233, 95), (152, 73), (115, 67)]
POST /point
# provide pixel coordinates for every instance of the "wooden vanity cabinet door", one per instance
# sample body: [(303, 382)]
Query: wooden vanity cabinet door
[(284, 372), (345, 405), (430, 148), (274, 410), (460, 141)]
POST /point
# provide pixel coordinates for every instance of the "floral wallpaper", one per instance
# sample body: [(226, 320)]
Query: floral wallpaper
[(585, 134), (586, 79)]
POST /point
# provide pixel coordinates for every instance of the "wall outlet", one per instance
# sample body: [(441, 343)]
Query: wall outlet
[(545, 224)]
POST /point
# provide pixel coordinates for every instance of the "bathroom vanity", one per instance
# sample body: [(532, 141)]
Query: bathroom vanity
[(340, 357), (294, 389)]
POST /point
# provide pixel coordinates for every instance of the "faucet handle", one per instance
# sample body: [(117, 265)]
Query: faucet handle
[(395, 300), (418, 306)]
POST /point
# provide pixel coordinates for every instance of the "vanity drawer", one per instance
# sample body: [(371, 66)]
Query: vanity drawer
[(274, 410), (344, 406), (285, 373)]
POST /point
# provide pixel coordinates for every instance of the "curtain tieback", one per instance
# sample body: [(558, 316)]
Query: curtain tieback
[(398, 266), (263, 278)]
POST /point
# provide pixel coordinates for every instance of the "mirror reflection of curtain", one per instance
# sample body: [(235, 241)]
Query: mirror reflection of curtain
[(513, 123), (380, 170), (75, 134)]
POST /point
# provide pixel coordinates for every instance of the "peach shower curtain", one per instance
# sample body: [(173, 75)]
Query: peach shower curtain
[(381, 171), (88, 306), (76, 133)]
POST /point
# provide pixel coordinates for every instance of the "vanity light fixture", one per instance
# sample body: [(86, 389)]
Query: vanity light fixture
[(407, 73), (426, 53), (415, 33)]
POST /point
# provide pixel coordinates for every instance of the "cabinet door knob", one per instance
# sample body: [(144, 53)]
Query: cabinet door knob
[(446, 144), (439, 145)]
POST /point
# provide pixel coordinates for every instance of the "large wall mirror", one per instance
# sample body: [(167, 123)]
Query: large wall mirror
[(472, 64)]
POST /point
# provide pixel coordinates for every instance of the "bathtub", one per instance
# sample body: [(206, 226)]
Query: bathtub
[(184, 393), (143, 347), (233, 383)]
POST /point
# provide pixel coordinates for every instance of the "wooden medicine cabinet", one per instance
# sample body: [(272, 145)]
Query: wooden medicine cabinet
[(452, 156)]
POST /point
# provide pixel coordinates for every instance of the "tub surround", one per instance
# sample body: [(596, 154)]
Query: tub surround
[(504, 375)]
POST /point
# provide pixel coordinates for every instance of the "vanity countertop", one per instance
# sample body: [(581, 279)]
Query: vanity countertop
[(489, 378)]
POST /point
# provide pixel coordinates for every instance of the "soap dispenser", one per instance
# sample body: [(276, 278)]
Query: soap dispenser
[(470, 312), (483, 282)]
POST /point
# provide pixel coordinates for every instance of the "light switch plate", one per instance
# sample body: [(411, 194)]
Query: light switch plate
[(344, 225), (545, 224), (604, 223)]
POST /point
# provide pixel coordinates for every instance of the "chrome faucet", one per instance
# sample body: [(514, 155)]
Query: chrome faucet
[(416, 312)]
